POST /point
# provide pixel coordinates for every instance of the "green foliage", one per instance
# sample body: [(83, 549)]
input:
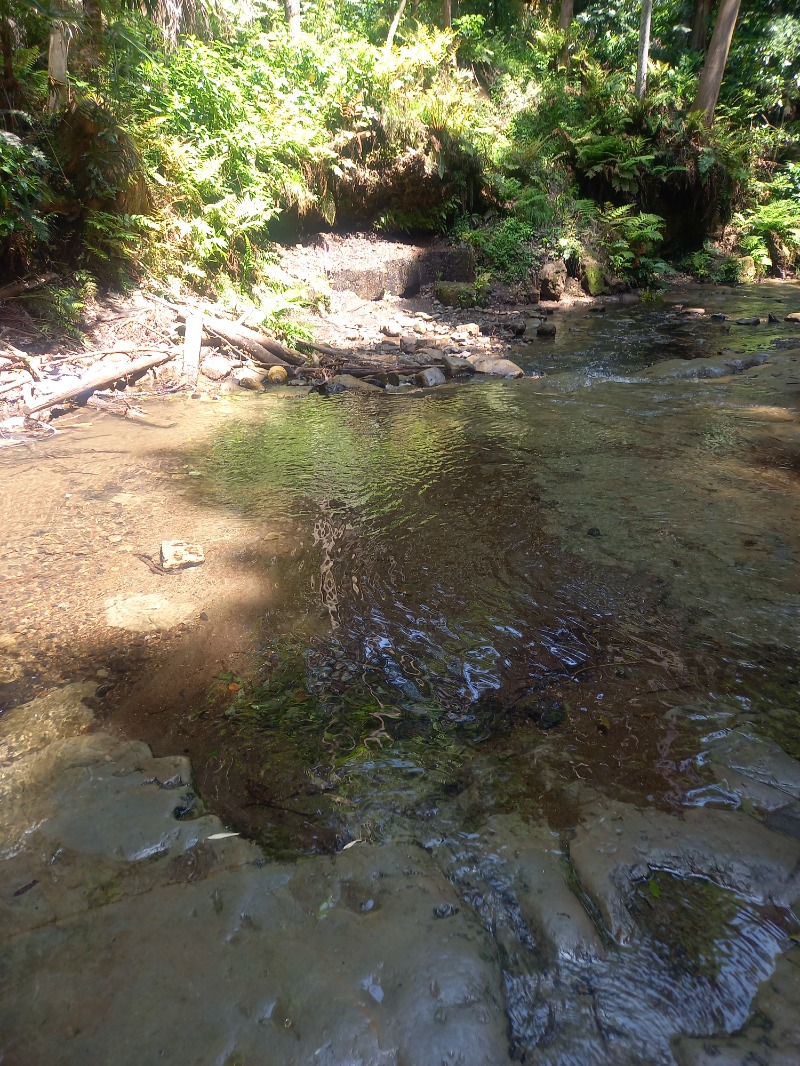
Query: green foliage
[(506, 247), (112, 244), (628, 239), (23, 190), (243, 129), (729, 271), (773, 228), (700, 264), (59, 307)]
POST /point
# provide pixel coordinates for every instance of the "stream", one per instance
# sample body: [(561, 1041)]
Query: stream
[(543, 636)]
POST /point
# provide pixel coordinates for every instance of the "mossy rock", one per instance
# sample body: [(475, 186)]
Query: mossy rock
[(747, 268), (594, 279), (462, 293)]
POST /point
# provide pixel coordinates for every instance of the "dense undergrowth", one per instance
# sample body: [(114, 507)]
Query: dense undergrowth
[(186, 149)]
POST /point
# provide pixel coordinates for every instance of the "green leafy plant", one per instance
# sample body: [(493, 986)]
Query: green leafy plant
[(775, 225), (506, 247), (23, 189), (628, 238)]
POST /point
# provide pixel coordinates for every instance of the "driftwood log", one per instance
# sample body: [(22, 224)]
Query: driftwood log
[(8, 292), (191, 348), (100, 381), (265, 350)]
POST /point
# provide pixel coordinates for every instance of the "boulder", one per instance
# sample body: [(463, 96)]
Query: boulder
[(456, 366), (793, 317), (253, 380), (574, 289), (552, 280), (277, 375), (547, 329), (753, 321), (594, 280), (216, 367), (430, 378), (461, 294), (747, 268), (501, 368)]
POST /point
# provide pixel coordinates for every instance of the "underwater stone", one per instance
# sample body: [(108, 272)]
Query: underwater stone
[(179, 554)]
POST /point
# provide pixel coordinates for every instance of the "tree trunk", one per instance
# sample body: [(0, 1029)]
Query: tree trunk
[(6, 43), (91, 39), (94, 20), (293, 17), (393, 28), (701, 19), (644, 49), (565, 16), (447, 13), (60, 34), (716, 58)]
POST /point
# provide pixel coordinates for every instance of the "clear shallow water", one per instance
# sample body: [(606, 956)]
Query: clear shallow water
[(627, 339), (518, 600)]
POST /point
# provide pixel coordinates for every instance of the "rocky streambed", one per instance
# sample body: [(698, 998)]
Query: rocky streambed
[(473, 739)]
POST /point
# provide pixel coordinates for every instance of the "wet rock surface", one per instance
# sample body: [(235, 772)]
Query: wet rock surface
[(163, 932)]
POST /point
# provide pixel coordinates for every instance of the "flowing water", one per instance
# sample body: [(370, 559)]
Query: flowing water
[(528, 626), (506, 604)]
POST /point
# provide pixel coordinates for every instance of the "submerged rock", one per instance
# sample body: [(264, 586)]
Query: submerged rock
[(501, 368), (146, 613), (145, 911), (252, 380), (545, 712), (616, 842), (179, 554), (353, 384)]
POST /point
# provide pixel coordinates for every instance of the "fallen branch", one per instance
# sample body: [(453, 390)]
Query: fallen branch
[(323, 349), (253, 348), (27, 362), (120, 408), (17, 384), (263, 348), (100, 381), (9, 292)]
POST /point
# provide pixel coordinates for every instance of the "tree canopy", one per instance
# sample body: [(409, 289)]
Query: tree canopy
[(185, 137)]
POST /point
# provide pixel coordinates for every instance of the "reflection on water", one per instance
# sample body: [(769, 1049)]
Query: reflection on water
[(509, 601)]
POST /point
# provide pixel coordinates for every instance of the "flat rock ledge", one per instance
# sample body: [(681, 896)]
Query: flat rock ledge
[(137, 929)]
